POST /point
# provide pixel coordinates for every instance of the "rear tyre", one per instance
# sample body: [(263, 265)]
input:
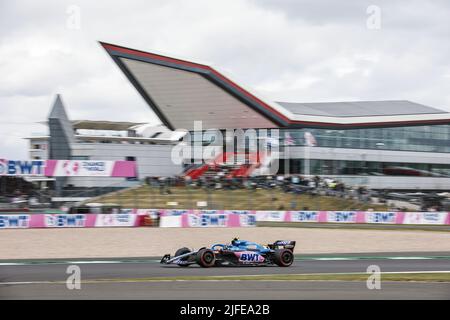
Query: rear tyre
[(206, 258), (283, 257), (181, 251)]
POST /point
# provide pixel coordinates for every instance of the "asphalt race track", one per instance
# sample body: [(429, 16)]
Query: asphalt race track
[(125, 279)]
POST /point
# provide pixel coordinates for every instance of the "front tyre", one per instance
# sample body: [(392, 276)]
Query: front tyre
[(206, 258), (283, 257)]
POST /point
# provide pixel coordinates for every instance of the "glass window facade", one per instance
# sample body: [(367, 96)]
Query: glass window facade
[(345, 167), (434, 138)]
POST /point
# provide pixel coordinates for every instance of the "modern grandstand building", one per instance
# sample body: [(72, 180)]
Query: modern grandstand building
[(380, 144)]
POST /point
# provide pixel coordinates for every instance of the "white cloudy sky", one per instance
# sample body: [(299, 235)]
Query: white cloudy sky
[(288, 50)]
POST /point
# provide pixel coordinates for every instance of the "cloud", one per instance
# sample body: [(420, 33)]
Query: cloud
[(288, 50)]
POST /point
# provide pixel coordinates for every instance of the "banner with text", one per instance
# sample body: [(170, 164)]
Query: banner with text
[(214, 218), (68, 168), (437, 218)]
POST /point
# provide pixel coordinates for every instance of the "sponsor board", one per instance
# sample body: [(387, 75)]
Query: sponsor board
[(170, 222), (380, 217), (274, 216), (14, 221), (212, 218), (341, 216), (207, 211), (207, 220), (304, 216), (67, 168), (239, 211), (247, 220), (174, 212), (65, 220), (425, 217), (73, 168), (115, 220), (21, 167)]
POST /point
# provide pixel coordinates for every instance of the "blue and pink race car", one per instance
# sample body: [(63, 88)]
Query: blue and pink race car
[(236, 253)]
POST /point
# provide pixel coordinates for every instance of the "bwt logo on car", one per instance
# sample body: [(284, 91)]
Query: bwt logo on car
[(21, 167), (250, 257), (14, 221)]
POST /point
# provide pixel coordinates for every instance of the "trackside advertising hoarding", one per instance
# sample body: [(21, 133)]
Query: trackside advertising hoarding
[(207, 218), (22, 167), (385, 217), (227, 218), (426, 218), (68, 168), (41, 220), (179, 218)]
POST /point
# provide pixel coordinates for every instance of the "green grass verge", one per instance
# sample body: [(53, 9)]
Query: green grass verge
[(425, 277)]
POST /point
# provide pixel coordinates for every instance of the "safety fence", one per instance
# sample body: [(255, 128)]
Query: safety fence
[(214, 218)]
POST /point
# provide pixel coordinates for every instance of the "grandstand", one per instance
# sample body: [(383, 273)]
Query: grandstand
[(246, 194)]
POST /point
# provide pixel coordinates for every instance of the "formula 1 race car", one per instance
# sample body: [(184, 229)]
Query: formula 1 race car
[(237, 253)]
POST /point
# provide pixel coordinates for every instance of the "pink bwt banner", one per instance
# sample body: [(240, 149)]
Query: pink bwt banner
[(437, 218), (89, 168), (68, 168), (208, 218), (215, 218), (42, 220)]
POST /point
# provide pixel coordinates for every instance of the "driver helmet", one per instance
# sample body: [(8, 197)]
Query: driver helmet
[(234, 241)]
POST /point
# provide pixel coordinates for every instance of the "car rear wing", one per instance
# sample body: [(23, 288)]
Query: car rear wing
[(282, 244)]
